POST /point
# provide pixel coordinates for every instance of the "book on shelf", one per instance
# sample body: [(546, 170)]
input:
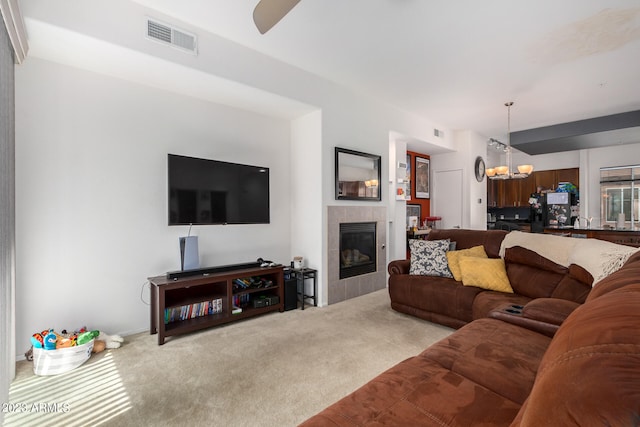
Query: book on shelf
[(192, 311), (254, 282)]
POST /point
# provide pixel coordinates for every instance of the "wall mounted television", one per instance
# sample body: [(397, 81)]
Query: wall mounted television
[(203, 191)]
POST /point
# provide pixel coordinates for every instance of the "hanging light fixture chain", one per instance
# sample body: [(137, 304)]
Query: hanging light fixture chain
[(505, 172)]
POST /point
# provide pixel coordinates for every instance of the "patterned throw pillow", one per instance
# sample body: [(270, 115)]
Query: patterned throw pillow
[(428, 257)]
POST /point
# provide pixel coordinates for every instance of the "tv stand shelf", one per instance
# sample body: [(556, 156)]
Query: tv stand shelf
[(188, 304)]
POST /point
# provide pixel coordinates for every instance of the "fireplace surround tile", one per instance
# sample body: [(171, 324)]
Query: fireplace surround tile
[(343, 289), (337, 291)]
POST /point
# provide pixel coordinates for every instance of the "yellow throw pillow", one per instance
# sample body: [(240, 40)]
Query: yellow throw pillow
[(485, 273), (453, 258)]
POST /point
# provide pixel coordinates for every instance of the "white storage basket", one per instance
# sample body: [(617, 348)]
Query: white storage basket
[(53, 362)]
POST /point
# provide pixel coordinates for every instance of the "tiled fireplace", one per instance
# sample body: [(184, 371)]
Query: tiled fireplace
[(358, 248), (363, 271)]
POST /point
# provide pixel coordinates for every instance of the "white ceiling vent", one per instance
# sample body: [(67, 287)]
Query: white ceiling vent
[(171, 36), (438, 133)]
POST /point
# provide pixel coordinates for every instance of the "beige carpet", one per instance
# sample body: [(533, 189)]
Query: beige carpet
[(274, 370)]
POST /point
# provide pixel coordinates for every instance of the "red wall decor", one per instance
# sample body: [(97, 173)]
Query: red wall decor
[(425, 204)]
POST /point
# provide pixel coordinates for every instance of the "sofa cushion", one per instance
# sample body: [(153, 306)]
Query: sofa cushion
[(468, 378), (531, 274), (554, 248), (453, 258), (619, 279), (438, 299), (574, 286), (411, 394), (485, 273), (600, 258), (465, 239), (589, 374), (428, 258)]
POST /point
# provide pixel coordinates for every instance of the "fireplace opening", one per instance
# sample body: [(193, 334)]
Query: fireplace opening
[(357, 248)]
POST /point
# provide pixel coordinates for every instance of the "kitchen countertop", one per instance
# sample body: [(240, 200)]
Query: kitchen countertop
[(568, 227)]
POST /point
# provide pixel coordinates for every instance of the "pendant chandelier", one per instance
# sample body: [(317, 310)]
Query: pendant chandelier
[(506, 171)]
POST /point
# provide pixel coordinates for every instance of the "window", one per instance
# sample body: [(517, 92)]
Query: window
[(620, 194)]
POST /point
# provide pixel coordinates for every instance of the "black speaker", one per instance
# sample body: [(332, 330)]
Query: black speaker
[(290, 294)]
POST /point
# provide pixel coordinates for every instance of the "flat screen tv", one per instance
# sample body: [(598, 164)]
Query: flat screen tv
[(203, 191)]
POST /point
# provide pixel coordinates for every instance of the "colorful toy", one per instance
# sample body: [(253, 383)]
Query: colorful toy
[(85, 337), (50, 340), (63, 342), (37, 341), (66, 340)]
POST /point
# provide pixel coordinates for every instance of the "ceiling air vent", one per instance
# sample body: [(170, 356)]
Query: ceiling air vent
[(168, 35), (438, 133)]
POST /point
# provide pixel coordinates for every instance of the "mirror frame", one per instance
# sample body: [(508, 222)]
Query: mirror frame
[(377, 164)]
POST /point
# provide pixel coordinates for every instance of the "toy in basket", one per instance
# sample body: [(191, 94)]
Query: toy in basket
[(53, 353), (53, 362)]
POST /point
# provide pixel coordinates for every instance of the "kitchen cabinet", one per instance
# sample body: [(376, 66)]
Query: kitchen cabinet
[(510, 192), (522, 189), (571, 175), (546, 180), (495, 193), (516, 192), (549, 180)]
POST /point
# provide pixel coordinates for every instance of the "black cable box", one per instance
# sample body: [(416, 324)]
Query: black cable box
[(210, 270)]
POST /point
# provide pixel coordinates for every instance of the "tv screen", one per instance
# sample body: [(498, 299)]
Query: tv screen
[(203, 191)]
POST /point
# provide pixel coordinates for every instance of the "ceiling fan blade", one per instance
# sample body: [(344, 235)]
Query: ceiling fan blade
[(269, 12)]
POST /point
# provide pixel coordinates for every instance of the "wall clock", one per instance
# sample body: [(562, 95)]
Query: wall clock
[(479, 169)]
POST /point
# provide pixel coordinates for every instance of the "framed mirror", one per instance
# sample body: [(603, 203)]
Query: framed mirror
[(357, 175)]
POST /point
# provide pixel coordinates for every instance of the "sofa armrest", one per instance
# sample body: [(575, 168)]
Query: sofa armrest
[(542, 315), (400, 266), (549, 310)]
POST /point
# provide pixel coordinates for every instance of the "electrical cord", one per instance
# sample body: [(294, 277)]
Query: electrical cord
[(146, 283)]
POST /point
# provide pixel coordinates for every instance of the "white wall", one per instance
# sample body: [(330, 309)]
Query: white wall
[(476, 147), (232, 74), (473, 194), (397, 214), (91, 187), (306, 207), (91, 190)]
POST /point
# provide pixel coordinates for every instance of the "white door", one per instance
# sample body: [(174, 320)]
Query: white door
[(448, 186)]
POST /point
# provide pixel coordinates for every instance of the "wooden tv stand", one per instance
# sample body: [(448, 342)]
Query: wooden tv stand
[(169, 296)]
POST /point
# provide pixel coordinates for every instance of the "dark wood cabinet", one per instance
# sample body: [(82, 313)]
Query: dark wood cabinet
[(495, 193), (546, 180), (526, 187), (549, 180), (263, 293), (571, 175), (516, 192), (509, 193)]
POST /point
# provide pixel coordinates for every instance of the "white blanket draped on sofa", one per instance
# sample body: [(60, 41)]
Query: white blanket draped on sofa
[(598, 257)]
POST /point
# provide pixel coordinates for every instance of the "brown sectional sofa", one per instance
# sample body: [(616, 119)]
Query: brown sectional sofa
[(506, 370), (443, 300)]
